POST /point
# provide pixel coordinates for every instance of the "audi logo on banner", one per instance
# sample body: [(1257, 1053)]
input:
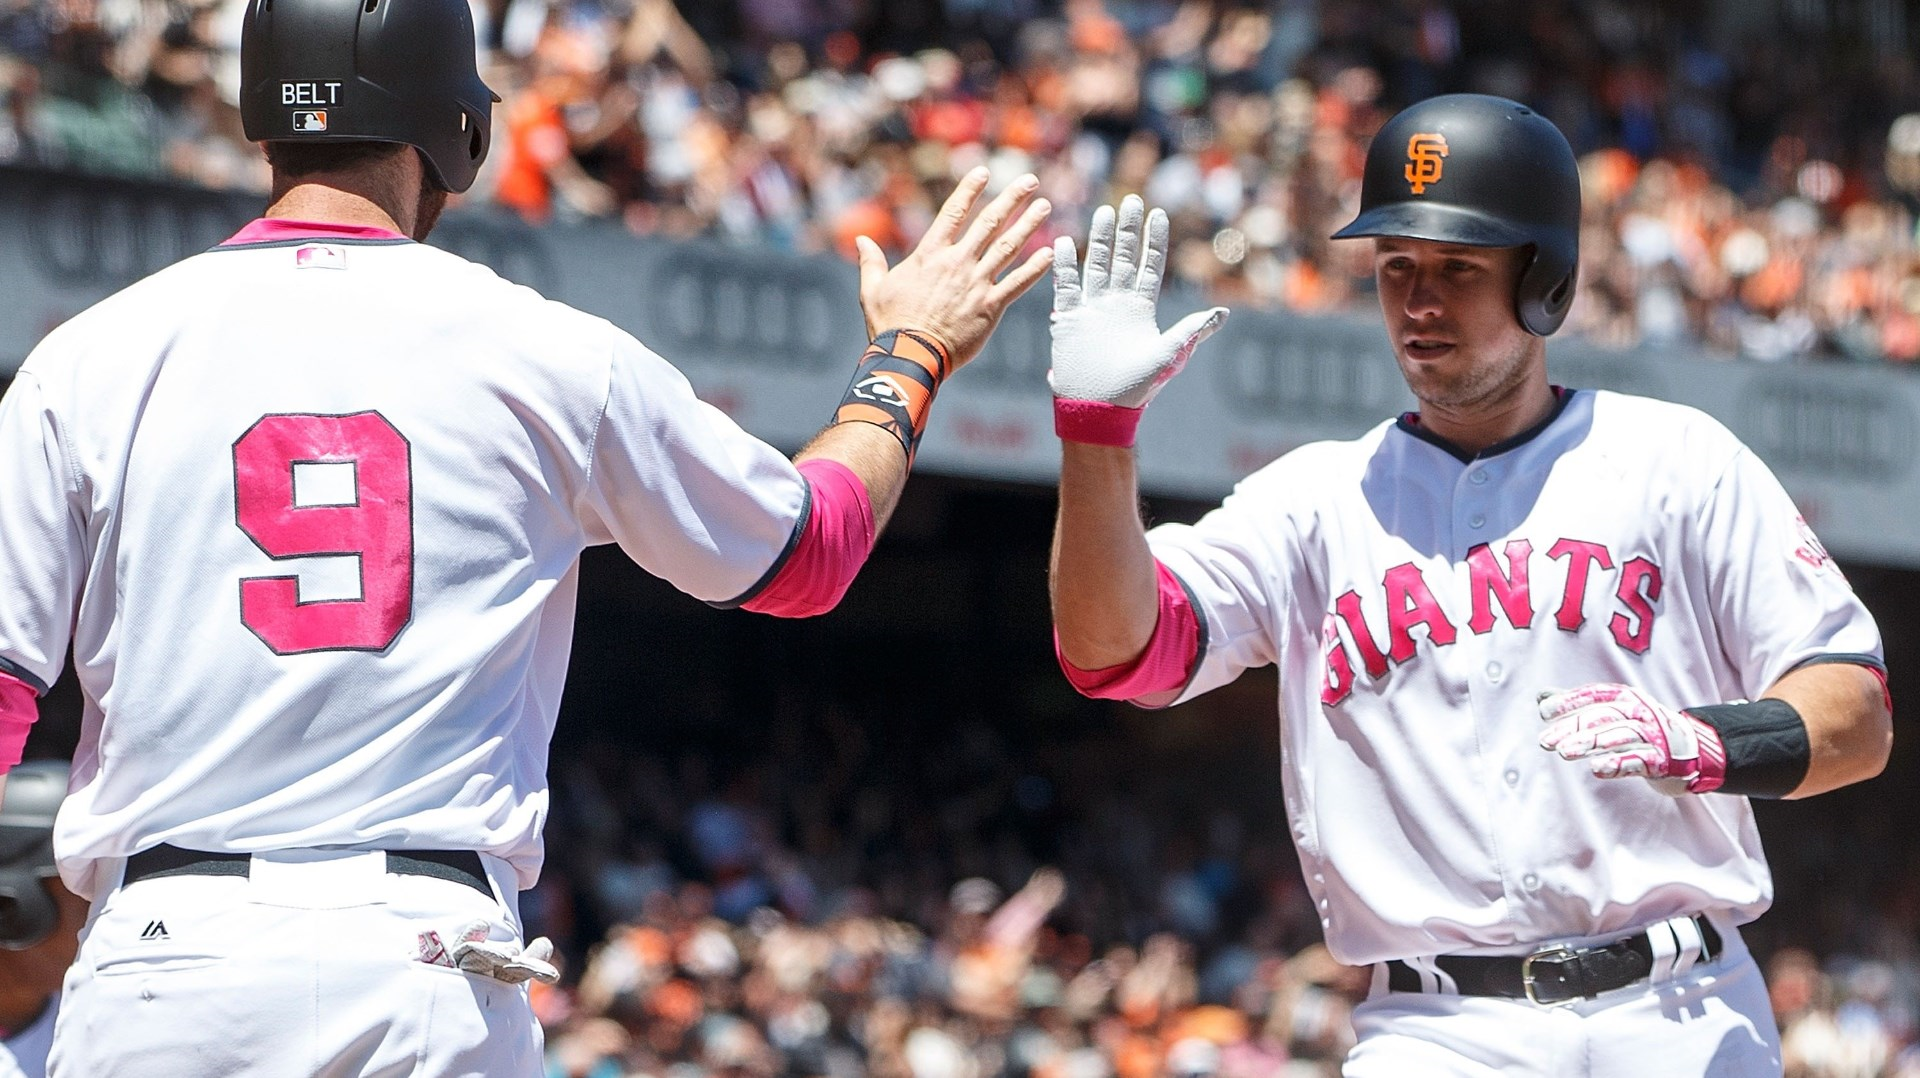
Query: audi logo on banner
[(789, 315), (1806, 424), (85, 231)]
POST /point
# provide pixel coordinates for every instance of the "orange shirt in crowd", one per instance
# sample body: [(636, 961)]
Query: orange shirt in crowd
[(536, 141)]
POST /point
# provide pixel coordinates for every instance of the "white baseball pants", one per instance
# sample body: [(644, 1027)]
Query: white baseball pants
[(1714, 1021), (305, 968)]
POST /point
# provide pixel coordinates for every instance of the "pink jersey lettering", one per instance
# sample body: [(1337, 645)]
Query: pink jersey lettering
[(1410, 602), (1639, 590), (377, 526), (1488, 583), (1337, 684), (1348, 607), (1580, 555)]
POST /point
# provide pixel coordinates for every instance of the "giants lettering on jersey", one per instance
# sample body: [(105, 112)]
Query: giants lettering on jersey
[(1495, 591)]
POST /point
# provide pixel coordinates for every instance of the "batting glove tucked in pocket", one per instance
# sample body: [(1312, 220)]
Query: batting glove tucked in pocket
[(502, 960)]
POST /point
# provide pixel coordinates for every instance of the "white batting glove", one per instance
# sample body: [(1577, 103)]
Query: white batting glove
[(503, 960), (1620, 731), (1109, 355)]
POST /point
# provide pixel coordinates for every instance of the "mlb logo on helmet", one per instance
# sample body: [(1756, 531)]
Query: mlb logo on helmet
[(1425, 150), (315, 120)]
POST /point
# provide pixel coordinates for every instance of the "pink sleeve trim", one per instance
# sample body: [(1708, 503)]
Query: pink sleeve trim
[(1096, 422), (1167, 663), (18, 710), (832, 547)]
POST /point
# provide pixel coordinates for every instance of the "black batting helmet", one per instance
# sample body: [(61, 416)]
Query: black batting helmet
[(1485, 172), (33, 795), (368, 70)]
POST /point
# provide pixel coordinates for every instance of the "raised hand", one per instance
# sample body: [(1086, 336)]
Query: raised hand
[(951, 286), (1108, 350)]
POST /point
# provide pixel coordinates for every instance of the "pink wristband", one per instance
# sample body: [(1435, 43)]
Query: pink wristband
[(832, 547), (1163, 667), (1095, 422)]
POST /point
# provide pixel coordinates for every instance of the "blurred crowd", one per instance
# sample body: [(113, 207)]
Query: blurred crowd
[(1750, 168), (873, 896)]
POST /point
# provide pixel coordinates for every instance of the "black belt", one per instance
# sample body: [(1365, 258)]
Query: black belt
[(454, 866), (1552, 974)]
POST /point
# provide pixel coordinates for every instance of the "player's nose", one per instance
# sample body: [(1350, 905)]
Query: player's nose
[(1423, 297)]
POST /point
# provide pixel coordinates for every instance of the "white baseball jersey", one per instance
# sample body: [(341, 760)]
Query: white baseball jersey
[(310, 512), (1417, 603)]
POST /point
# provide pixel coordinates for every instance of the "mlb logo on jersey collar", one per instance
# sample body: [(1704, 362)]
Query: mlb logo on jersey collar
[(320, 256)]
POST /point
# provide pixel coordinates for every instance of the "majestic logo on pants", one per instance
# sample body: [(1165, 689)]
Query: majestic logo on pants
[(1424, 153)]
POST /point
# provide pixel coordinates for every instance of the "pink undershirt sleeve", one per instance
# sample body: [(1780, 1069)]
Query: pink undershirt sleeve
[(18, 710), (1164, 667), (832, 547)]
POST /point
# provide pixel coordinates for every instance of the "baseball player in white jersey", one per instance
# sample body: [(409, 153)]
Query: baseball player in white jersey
[(307, 509), (1488, 616)]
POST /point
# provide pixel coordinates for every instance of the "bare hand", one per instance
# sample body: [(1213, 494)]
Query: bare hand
[(946, 288)]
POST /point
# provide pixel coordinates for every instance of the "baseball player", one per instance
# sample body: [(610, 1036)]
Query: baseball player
[(39, 920), (307, 509), (1537, 646)]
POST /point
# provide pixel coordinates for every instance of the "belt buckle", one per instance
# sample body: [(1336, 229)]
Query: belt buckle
[(1557, 951)]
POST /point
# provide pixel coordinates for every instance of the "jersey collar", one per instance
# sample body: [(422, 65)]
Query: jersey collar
[(1410, 423), (269, 231)]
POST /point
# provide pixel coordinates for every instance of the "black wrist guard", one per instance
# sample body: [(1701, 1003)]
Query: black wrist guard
[(1767, 749)]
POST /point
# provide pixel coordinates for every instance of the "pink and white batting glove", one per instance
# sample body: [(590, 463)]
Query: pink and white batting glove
[(502, 960), (1620, 731), (1109, 356)]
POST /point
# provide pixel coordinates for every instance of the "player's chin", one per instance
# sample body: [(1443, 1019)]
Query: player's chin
[(1436, 381)]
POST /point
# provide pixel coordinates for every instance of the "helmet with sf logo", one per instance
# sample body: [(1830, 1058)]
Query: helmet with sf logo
[(1484, 172)]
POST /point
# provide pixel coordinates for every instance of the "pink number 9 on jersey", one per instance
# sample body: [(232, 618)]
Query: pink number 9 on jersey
[(364, 507)]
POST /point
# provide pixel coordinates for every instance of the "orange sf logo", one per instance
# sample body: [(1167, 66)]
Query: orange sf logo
[(1424, 152)]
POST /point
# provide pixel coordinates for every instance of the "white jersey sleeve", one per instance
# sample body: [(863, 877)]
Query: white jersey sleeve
[(46, 548), (1240, 564), (1779, 601), (682, 488)]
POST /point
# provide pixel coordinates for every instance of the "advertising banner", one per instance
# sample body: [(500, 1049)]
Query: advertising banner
[(771, 338)]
